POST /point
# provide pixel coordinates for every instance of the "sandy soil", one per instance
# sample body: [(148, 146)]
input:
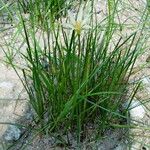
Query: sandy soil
[(13, 97)]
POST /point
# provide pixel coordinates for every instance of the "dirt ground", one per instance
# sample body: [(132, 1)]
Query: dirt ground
[(13, 98)]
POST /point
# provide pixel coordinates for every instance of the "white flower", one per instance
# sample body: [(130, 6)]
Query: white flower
[(79, 22)]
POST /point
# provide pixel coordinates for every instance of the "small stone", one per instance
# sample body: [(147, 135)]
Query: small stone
[(137, 111), (13, 133)]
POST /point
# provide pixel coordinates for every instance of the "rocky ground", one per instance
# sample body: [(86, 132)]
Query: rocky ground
[(13, 103)]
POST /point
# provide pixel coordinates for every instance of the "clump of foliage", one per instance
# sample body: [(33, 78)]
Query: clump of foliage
[(76, 78)]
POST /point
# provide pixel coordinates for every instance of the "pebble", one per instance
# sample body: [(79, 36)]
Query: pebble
[(137, 111), (13, 133)]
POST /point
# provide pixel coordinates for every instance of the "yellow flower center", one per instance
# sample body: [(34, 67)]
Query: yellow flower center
[(78, 27)]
